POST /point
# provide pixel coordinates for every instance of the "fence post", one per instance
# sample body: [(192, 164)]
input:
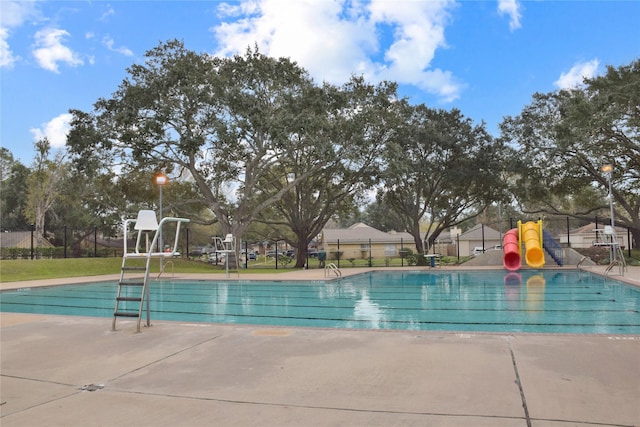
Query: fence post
[(276, 254), (628, 242), (33, 227), (568, 234), (339, 253), (187, 236), (370, 258), (401, 253), (64, 242), (95, 241)]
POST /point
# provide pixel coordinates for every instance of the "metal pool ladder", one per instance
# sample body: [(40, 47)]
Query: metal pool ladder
[(331, 268), (133, 289)]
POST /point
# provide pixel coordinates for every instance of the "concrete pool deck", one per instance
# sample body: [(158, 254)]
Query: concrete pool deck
[(74, 371)]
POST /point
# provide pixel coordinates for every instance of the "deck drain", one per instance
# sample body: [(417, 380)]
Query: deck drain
[(92, 387)]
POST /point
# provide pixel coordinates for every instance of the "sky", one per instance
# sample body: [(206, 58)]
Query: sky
[(485, 58)]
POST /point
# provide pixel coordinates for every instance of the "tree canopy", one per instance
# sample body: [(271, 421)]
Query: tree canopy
[(223, 124), (439, 168), (562, 140), (252, 138)]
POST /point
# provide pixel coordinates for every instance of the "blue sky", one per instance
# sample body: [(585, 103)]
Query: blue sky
[(486, 58)]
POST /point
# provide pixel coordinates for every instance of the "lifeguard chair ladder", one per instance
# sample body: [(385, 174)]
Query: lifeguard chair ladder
[(133, 291)]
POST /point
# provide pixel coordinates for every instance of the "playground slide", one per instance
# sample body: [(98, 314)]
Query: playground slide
[(531, 235), (511, 247)]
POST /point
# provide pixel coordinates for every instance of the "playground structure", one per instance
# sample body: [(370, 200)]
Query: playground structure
[(529, 239), (529, 242)]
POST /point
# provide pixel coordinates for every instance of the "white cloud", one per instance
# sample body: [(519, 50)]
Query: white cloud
[(13, 14), (576, 75), (512, 9), (334, 39), (49, 50), (109, 12), (6, 55), (55, 130), (108, 42)]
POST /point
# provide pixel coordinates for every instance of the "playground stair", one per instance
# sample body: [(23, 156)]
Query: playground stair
[(553, 248)]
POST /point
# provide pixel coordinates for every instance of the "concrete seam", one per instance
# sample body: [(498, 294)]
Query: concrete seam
[(519, 383)]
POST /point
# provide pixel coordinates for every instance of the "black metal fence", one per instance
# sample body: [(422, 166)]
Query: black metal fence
[(69, 243)]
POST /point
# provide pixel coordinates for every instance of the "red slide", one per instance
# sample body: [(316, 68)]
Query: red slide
[(510, 246)]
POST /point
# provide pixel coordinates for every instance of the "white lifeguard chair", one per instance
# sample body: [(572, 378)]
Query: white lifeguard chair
[(607, 237), (226, 247), (128, 302)]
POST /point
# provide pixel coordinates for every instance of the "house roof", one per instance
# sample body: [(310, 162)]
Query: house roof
[(475, 233), (361, 233), (20, 239), (589, 229)]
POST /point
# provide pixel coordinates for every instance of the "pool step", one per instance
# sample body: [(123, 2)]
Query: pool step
[(126, 314), (131, 283), (134, 268)]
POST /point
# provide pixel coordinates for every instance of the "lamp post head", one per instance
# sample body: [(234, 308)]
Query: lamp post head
[(607, 168), (161, 179)]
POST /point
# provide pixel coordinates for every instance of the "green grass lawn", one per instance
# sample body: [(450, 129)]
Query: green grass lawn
[(23, 269)]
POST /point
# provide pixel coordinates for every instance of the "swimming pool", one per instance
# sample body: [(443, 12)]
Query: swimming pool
[(491, 301)]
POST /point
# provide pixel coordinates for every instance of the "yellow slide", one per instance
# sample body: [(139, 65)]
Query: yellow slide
[(531, 235)]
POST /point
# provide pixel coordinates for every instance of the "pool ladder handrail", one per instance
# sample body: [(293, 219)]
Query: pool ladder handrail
[(613, 264), (583, 259), (332, 268)]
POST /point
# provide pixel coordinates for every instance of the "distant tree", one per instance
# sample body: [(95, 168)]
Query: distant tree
[(380, 216), (13, 192), (563, 139), (442, 170), (43, 185)]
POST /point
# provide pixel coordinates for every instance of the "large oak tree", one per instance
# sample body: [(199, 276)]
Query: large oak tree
[(441, 170), (223, 124)]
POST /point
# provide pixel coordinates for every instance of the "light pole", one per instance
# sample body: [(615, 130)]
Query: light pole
[(608, 170), (161, 180)]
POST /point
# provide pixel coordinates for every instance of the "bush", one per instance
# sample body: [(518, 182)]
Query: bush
[(284, 260)]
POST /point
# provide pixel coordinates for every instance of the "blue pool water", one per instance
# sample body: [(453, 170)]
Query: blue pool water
[(492, 301)]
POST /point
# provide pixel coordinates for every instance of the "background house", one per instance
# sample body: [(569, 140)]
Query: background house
[(354, 241), (584, 237), (18, 244), (361, 241), (21, 239), (478, 236)]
